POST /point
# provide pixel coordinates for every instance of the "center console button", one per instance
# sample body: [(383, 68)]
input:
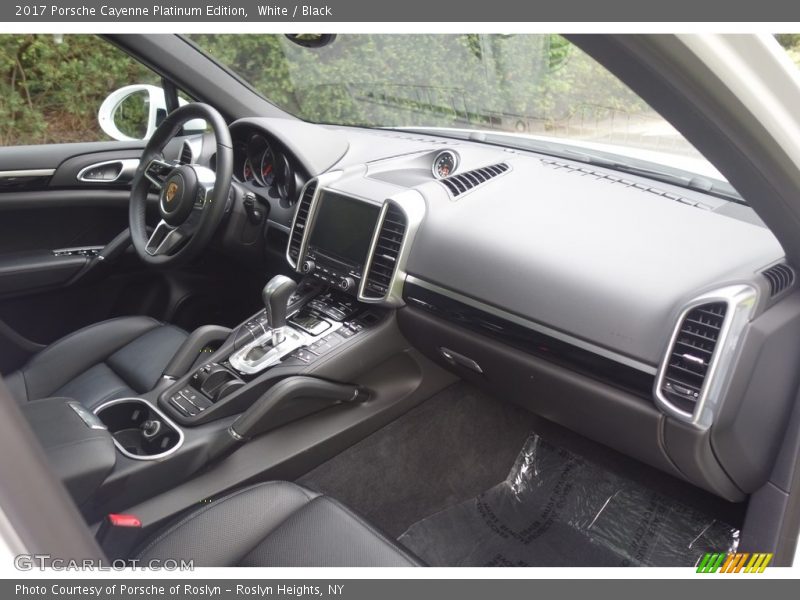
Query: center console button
[(332, 339), (183, 405)]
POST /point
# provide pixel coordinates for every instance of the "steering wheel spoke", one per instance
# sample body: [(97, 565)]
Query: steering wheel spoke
[(203, 196), (166, 239), (157, 171)]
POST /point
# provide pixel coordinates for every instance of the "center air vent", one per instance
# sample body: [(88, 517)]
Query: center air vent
[(780, 277), (463, 182), (186, 154), (691, 354), (299, 225), (383, 260)]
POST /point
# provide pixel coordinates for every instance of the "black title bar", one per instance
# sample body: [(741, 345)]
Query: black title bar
[(338, 11)]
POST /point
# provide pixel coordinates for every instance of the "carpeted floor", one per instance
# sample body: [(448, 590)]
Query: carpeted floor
[(455, 446)]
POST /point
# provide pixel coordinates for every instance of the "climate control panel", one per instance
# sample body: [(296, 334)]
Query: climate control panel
[(339, 274)]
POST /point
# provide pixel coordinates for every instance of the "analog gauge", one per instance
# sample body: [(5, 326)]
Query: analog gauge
[(445, 164), (256, 148), (285, 178), (267, 168), (247, 171)]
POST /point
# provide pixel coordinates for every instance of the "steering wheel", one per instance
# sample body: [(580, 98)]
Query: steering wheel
[(192, 198)]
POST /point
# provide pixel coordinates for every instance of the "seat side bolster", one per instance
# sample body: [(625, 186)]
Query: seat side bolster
[(71, 355)]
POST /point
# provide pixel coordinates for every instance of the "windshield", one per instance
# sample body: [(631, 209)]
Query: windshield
[(538, 86)]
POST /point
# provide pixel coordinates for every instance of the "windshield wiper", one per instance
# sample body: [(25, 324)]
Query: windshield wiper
[(642, 168)]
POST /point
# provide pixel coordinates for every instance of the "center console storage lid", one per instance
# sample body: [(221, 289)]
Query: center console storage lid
[(79, 447)]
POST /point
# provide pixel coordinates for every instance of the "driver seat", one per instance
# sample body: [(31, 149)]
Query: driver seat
[(118, 358)]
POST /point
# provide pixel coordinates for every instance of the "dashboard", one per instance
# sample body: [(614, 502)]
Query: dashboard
[(621, 308)]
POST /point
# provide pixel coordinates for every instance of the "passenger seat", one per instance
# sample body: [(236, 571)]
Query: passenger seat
[(276, 524)]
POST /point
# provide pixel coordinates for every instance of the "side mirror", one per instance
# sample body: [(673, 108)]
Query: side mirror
[(134, 112)]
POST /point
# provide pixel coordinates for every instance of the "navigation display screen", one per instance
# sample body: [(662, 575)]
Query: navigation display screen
[(343, 227)]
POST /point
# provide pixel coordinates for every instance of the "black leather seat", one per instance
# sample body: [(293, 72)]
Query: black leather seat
[(113, 359), (276, 524)]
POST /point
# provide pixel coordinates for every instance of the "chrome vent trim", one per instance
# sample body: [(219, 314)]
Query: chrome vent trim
[(692, 351), (397, 225), (303, 219), (781, 277), (461, 183), (299, 225), (391, 231), (700, 359)]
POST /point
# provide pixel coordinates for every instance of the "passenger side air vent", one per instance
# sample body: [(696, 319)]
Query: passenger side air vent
[(463, 182), (382, 263), (780, 277), (299, 225), (186, 154), (691, 354)]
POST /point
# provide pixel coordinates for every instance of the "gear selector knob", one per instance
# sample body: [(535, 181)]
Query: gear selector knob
[(276, 296)]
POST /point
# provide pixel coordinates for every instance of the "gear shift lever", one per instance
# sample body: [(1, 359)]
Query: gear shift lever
[(276, 296)]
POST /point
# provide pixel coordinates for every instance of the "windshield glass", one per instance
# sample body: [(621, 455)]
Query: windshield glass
[(526, 85)]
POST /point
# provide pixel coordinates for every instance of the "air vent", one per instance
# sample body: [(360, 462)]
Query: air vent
[(186, 154), (300, 220), (383, 260), (691, 354), (780, 277), (463, 182)]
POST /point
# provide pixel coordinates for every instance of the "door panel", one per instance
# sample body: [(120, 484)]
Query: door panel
[(44, 207)]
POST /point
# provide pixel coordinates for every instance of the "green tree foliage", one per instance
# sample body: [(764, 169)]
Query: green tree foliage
[(51, 87), (433, 80), (791, 43)]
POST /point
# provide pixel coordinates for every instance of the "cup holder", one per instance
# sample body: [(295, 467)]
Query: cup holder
[(140, 431)]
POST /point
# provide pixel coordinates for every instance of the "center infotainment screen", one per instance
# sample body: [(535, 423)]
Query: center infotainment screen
[(343, 227)]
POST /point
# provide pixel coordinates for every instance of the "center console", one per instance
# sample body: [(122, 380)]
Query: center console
[(319, 321), (302, 326), (322, 364)]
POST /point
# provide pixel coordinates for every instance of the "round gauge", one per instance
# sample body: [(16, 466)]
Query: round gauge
[(445, 164), (267, 168), (257, 146), (285, 178), (247, 171)]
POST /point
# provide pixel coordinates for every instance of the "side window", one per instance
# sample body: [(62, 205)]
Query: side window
[(52, 88)]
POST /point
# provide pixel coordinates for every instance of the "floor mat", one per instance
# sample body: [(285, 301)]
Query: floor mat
[(449, 449), (556, 508)]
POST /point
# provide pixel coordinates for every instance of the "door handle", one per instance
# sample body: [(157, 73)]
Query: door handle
[(110, 171)]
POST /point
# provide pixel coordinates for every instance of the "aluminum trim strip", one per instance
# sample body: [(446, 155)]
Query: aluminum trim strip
[(27, 173)]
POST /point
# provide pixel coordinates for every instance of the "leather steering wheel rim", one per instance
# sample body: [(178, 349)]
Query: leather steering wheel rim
[(203, 203)]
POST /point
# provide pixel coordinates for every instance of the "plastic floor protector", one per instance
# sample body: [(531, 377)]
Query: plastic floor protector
[(558, 509)]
